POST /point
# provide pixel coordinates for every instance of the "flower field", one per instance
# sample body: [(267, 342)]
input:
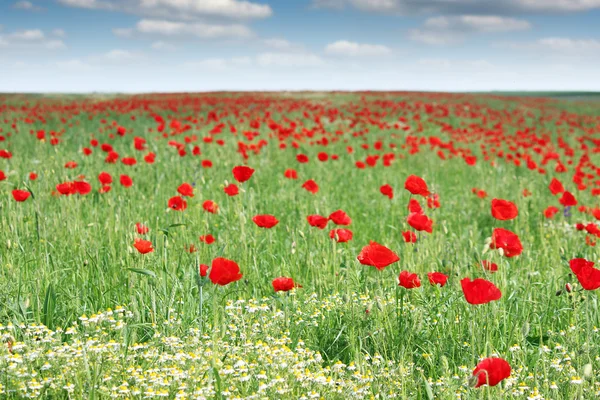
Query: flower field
[(299, 245)]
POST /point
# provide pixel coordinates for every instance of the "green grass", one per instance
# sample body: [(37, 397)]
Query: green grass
[(65, 257)]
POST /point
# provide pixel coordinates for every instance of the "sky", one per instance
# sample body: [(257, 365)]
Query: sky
[(212, 45)]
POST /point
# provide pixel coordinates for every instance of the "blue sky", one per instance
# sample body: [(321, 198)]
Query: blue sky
[(205, 45)]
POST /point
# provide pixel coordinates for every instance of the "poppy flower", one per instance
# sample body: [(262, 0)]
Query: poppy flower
[(20, 195), (185, 189), (409, 280), (556, 187), (177, 203), (224, 271), (376, 255), (141, 228), (33, 176), (82, 187), (339, 217), (191, 248), (210, 206), (387, 191), (231, 190), (302, 158), (66, 188), (489, 266), (568, 199), (129, 161), (341, 235), (437, 278), (491, 371), (317, 221), (507, 241), (420, 222), (203, 270), (414, 207), (126, 181), (143, 246), (416, 185), (433, 201), (504, 210), (283, 284), (586, 274), (2, 176), (242, 173), (291, 174), (208, 239), (5, 154), (409, 237), (105, 178), (311, 186), (479, 291), (265, 221), (550, 211)]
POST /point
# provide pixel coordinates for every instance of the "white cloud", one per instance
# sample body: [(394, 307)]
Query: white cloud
[(118, 55), (289, 60), (559, 45), (160, 45), (477, 23), (27, 5), (179, 9), (201, 30), (123, 32), (346, 48), (59, 33), (482, 7), (30, 40), (454, 29), (279, 44)]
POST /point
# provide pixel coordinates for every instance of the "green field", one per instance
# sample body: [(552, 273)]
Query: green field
[(84, 315)]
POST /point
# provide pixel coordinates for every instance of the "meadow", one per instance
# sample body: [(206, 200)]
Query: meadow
[(283, 245)]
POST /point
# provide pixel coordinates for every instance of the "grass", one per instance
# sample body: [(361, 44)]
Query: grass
[(350, 331)]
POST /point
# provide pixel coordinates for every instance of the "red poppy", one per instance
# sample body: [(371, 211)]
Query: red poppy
[(550, 211), (2, 176), (33, 176), (191, 249), (433, 201), (141, 228), (409, 280), (224, 271), (242, 173), (265, 221), (5, 154), (311, 186), (185, 189), (82, 187), (105, 178), (414, 207), (104, 189), (339, 217), (143, 246), (20, 195), (129, 161), (568, 199), (586, 274), (491, 371), (437, 278), (208, 239), (409, 237), (416, 186), (317, 221), (387, 190), (556, 186), (210, 206), (71, 165), (203, 270), (177, 203), (489, 266), (507, 241), (596, 213), (377, 256), (341, 235), (283, 284), (231, 190), (420, 222), (126, 181), (290, 174), (302, 158), (479, 291), (66, 189), (504, 210)]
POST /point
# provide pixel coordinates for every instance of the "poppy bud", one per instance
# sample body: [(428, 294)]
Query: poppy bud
[(568, 288)]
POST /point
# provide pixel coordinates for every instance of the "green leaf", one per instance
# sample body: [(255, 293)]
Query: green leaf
[(142, 271), (49, 307)]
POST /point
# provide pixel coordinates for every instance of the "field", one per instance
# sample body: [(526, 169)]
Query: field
[(122, 233)]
